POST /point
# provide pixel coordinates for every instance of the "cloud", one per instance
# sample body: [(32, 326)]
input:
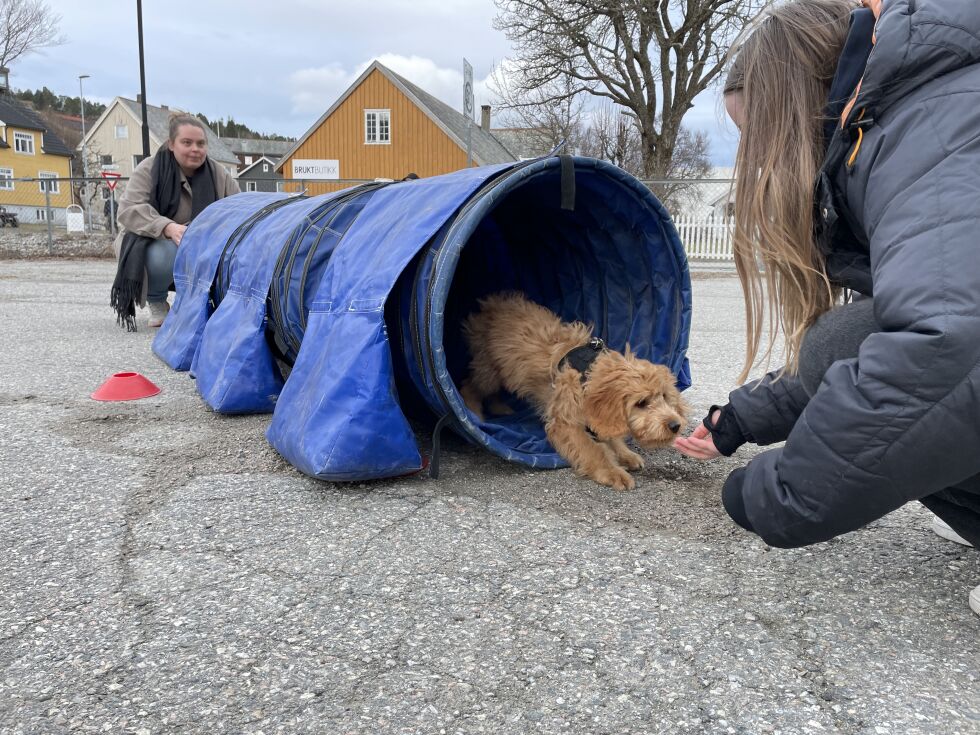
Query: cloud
[(313, 90)]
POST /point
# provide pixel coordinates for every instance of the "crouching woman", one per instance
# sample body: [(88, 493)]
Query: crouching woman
[(165, 193), (879, 402)]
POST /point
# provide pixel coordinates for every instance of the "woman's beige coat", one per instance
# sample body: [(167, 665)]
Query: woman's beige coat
[(138, 216)]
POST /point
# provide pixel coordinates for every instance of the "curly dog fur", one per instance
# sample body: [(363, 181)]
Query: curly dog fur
[(517, 345)]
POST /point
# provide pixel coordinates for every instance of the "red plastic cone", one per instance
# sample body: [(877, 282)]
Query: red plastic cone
[(126, 387)]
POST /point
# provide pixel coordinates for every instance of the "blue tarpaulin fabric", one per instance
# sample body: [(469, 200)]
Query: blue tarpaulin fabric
[(197, 261), (338, 417), (358, 298)]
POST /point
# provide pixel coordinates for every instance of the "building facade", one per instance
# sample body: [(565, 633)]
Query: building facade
[(260, 175), (29, 150), (250, 150), (383, 126), (114, 142)]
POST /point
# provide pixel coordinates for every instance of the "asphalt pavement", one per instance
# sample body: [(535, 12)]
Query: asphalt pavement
[(164, 571)]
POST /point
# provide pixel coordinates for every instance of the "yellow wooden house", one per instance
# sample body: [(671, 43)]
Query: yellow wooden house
[(29, 150), (384, 126)]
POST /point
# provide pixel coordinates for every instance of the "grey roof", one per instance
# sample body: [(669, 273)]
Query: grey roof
[(158, 118), (525, 142), (14, 112), (486, 148), (257, 146)]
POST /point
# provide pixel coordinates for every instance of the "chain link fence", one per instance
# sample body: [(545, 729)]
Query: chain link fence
[(700, 208)]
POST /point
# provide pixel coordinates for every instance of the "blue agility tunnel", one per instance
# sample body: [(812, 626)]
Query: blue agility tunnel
[(342, 313)]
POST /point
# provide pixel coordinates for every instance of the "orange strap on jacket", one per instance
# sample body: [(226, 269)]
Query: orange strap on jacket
[(875, 7)]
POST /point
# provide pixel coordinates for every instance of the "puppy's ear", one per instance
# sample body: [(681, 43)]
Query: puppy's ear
[(605, 408)]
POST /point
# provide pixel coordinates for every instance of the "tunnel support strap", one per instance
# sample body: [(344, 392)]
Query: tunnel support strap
[(436, 445), (567, 182)]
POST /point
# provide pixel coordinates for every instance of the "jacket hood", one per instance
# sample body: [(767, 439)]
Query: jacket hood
[(918, 41)]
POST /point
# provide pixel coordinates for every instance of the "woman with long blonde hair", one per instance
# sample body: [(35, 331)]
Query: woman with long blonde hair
[(857, 237)]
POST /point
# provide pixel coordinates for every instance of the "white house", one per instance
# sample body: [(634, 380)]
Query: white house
[(115, 141)]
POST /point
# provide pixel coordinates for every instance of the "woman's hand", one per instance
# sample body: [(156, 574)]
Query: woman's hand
[(174, 232), (699, 445)]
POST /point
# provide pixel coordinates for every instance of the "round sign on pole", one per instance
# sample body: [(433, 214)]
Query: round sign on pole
[(467, 89)]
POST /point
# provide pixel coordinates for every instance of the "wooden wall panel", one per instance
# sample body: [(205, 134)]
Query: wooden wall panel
[(417, 145)]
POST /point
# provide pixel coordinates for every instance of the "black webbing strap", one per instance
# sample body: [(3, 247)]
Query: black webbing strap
[(567, 182), (436, 432), (581, 358)]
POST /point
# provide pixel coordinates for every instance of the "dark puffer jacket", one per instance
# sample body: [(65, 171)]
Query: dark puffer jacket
[(900, 422)]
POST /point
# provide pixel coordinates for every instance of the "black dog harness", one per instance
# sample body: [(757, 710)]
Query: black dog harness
[(581, 358)]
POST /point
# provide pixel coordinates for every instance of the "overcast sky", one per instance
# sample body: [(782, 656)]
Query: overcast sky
[(277, 66)]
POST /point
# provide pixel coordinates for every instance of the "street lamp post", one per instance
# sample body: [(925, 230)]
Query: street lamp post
[(88, 208)]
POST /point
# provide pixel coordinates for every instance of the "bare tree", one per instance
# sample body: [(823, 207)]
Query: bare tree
[(652, 57), (26, 26), (537, 120), (612, 136), (689, 163)]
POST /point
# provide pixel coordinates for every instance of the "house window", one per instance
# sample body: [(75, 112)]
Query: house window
[(6, 179), (280, 186), (107, 160), (249, 186), (136, 159), (122, 132), (41, 215), (51, 186), (265, 168), (248, 160), (24, 143), (377, 127)]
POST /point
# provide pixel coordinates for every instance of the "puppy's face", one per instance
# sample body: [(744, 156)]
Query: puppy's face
[(636, 397), (655, 411)]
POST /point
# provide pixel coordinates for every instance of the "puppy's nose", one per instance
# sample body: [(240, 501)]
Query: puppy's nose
[(674, 426)]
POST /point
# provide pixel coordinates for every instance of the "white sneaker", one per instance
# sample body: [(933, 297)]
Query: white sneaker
[(942, 529), (158, 312), (975, 600)]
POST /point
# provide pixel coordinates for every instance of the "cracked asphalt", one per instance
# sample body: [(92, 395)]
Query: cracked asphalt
[(164, 571)]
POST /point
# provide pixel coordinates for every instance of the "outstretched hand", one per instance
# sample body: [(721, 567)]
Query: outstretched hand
[(698, 445)]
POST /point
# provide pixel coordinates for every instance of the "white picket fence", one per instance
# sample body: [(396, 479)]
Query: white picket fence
[(706, 239)]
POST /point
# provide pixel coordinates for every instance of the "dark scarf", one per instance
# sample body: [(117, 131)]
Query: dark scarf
[(127, 288)]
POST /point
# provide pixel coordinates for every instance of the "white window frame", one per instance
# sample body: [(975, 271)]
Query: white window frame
[(124, 129), (6, 179), (250, 186), (265, 168), (41, 215), (23, 138), (248, 160), (377, 122), (53, 186)]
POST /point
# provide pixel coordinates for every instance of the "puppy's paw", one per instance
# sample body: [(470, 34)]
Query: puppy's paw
[(631, 460), (617, 478)]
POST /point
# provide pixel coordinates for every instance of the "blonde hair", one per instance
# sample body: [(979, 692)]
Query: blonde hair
[(783, 66)]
